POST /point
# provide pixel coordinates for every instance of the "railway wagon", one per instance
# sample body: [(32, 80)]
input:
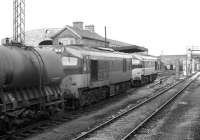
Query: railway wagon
[(144, 69), (94, 74), (29, 84)]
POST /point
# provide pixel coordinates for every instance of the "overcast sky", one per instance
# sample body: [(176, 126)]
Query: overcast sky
[(167, 26)]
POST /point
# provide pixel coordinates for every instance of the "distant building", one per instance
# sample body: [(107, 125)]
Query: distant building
[(40, 36), (170, 61), (77, 34)]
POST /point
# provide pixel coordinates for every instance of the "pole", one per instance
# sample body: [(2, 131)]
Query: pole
[(105, 37)]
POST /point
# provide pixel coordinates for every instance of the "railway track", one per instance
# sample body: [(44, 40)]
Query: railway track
[(101, 127), (164, 78), (38, 127), (142, 123)]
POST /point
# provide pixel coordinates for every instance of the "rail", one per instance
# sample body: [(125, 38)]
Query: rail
[(91, 131)]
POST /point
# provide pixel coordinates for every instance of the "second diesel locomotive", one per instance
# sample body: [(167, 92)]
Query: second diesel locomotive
[(144, 68), (92, 74)]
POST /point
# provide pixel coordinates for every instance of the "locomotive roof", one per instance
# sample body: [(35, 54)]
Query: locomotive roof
[(94, 53), (144, 57)]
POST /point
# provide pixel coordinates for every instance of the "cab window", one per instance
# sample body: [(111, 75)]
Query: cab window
[(69, 61)]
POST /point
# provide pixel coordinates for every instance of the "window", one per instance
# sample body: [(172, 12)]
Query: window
[(66, 41), (94, 70), (69, 61), (124, 65)]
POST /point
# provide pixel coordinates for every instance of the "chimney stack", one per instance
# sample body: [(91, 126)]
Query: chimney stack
[(90, 28), (78, 24)]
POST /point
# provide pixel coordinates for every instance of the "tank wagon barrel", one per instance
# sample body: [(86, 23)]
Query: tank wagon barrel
[(29, 80)]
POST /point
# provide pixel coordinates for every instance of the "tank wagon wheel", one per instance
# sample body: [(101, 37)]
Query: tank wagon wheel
[(53, 109), (8, 124)]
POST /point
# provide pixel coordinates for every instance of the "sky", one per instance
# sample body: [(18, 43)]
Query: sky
[(165, 27)]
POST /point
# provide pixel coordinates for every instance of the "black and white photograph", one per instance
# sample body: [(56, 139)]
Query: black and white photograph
[(100, 70)]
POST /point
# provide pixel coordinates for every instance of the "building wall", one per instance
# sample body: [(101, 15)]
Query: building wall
[(93, 43), (67, 38), (170, 61)]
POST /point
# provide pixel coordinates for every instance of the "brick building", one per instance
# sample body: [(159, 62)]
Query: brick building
[(77, 34), (170, 61)]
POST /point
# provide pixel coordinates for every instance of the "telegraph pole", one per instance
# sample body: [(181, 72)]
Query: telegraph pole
[(105, 37)]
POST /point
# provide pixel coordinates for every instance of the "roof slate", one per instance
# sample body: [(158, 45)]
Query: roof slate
[(82, 33), (34, 37), (116, 42)]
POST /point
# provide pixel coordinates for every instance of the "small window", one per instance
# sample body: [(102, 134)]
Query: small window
[(72, 42), (124, 65), (69, 61)]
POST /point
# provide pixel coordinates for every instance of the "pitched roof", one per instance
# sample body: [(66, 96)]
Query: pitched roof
[(34, 37), (125, 47), (119, 43), (130, 49), (81, 33)]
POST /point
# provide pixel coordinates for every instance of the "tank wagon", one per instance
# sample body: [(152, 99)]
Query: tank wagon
[(94, 74), (144, 69), (29, 84)]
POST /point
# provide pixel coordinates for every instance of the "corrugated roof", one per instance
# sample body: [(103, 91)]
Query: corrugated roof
[(125, 47), (144, 57), (94, 53), (130, 49), (119, 43)]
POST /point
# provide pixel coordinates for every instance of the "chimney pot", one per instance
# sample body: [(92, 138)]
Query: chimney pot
[(90, 28), (78, 24)]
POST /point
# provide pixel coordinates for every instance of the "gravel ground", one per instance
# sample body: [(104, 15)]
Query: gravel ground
[(180, 121), (124, 125), (101, 112)]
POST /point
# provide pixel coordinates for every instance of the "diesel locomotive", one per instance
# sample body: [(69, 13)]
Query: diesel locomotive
[(144, 68), (92, 74), (29, 84)]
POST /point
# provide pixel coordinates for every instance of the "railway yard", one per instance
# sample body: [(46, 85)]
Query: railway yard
[(72, 83), (164, 110)]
